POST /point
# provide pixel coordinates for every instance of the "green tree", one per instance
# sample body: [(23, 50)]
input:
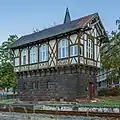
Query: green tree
[(7, 75), (110, 54)]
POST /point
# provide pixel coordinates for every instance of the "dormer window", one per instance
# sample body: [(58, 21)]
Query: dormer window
[(63, 48), (43, 53)]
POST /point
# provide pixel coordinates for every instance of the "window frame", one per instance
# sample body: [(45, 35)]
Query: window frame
[(90, 49), (72, 47), (24, 55), (24, 59), (63, 50), (43, 51), (16, 61), (34, 54)]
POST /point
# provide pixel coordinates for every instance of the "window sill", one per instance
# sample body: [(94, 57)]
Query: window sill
[(90, 58), (16, 65), (74, 56), (62, 58), (23, 64), (43, 61), (33, 63)]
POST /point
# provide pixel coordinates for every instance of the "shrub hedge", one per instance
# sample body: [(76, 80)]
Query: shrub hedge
[(109, 92)]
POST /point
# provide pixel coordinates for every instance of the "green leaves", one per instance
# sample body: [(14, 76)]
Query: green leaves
[(7, 75), (110, 55)]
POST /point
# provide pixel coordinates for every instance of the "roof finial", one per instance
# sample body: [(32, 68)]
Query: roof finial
[(67, 16)]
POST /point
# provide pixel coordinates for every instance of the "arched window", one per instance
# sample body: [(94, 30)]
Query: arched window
[(34, 54), (43, 52), (24, 56), (63, 48)]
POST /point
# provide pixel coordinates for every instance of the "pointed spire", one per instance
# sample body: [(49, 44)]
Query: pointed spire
[(67, 16)]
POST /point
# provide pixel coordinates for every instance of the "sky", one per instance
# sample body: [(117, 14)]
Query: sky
[(20, 17)]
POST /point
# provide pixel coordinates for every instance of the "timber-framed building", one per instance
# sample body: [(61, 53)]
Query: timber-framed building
[(59, 62)]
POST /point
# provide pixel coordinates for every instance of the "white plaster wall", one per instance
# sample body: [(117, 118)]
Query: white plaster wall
[(73, 38)]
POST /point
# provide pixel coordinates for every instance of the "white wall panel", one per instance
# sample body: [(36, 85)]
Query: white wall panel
[(73, 38), (85, 49), (16, 53), (81, 60), (95, 52), (98, 53), (52, 53)]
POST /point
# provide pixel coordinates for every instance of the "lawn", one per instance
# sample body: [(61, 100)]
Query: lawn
[(105, 101), (7, 101)]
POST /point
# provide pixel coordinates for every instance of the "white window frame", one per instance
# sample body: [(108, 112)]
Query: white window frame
[(73, 50), (24, 54), (17, 61), (90, 48), (24, 60), (43, 53), (63, 48), (34, 54)]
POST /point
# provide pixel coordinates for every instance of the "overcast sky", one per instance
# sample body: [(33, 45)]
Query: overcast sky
[(21, 16)]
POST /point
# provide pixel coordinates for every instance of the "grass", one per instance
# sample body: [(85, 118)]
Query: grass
[(105, 102), (7, 101)]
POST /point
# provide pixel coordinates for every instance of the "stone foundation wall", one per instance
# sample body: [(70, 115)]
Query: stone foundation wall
[(66, 86)]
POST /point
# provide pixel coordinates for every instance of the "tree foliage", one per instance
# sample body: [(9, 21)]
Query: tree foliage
[(7, 76), (110, 54)]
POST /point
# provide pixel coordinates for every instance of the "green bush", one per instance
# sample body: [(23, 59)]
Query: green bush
[(109, 92)]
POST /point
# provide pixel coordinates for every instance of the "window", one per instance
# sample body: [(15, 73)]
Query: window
[(90, 48), (43, 53), (24, 57), (33, 54), (16, 61), (74, 50), (63, 48)]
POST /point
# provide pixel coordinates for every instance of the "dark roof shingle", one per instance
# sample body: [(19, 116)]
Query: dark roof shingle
[(53, 31)]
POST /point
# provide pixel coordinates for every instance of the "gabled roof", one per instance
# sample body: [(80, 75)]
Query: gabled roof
[(53, 31)]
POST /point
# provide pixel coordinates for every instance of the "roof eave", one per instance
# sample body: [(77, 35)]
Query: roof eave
[(44, 39)]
